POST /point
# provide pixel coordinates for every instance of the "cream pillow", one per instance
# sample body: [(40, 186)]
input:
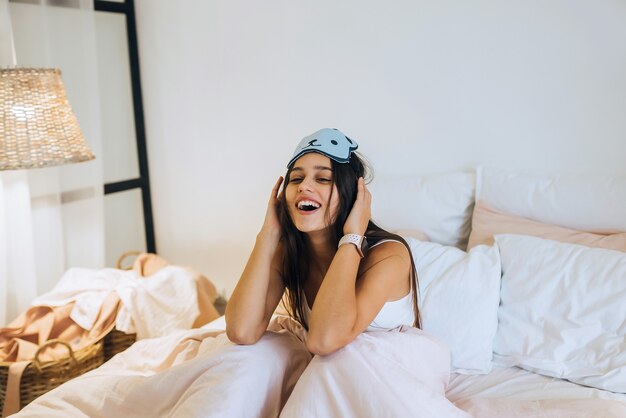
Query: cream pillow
[(586, 203), (438, 205)]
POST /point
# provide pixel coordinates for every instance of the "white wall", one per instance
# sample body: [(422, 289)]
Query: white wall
[(231, 86)]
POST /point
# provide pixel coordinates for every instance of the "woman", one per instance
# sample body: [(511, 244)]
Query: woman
[(312, 244)]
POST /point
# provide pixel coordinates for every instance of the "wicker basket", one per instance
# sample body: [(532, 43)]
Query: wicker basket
[(120, 260), (116, 342), (41, 377)]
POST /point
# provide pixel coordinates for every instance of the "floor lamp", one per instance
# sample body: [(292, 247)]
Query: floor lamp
[(37, 129)]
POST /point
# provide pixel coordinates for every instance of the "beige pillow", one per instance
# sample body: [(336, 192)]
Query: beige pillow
[(412, 233), (487, 222)]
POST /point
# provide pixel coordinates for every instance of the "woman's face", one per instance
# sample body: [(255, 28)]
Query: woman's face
[(308, 193)]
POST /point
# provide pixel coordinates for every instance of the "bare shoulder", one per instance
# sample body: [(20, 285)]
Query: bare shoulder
[(384, 251), (386, 269)]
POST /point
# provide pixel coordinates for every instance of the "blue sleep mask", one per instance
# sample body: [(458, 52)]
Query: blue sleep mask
[(330, 142)]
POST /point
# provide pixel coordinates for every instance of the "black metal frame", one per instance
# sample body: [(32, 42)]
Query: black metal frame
[(143, 182)]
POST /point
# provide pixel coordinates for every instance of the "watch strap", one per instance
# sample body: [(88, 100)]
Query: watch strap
[(355, 239)]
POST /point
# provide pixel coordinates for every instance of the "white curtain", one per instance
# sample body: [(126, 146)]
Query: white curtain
[(52, 218)]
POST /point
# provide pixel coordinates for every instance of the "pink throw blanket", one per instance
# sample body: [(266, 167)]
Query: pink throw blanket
[(201, 373), (544, 408), (381, 374)]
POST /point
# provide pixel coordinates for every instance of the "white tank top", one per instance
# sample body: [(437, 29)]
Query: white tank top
[(393, 313)]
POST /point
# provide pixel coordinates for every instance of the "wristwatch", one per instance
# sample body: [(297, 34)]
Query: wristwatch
[(359, 241)]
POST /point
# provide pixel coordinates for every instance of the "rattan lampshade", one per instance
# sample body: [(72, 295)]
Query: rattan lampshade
[(37, 125)]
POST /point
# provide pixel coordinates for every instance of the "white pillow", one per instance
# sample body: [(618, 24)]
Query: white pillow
[(586, 203), (438, 205), (459, 295), (563, 311)]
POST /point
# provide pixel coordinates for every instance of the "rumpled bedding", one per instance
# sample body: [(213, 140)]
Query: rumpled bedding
[(151, 306), (544, 408), (199, 373), (396, 373)]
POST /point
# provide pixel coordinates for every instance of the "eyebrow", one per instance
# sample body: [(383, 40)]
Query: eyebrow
[(317, 167)]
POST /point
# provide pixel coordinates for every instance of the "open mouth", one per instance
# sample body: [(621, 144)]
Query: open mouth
[(307, 206)]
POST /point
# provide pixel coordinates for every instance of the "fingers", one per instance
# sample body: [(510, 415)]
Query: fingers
[(277, 187), (360, 214), (362, 192)]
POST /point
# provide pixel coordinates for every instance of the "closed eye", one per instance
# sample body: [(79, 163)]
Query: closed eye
[(299, 180)]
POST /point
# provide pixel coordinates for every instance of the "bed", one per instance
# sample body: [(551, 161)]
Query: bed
[(519, 384), (554, 315), (523, 276)]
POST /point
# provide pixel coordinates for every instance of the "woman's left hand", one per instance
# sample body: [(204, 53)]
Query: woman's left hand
[(361, 212)]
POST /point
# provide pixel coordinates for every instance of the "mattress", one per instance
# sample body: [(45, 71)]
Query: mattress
[(519, 384)]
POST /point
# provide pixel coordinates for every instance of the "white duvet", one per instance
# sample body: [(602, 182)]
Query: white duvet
[(199, 373)]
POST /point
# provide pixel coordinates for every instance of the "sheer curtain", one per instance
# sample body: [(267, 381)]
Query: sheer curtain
[(52, 218)]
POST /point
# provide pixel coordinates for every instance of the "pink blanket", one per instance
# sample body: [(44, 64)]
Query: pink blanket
[(381, 374), (545, 408), (199, 373)]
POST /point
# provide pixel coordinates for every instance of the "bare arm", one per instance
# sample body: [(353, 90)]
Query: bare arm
[(260, 287), (346, 303)]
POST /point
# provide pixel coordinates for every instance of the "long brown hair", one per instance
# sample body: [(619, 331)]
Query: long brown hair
[(297, 254)]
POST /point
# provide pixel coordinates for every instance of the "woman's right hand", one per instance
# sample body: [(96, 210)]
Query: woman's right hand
[(271, 225)]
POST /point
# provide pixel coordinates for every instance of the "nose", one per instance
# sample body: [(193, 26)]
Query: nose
[(305, 185)]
